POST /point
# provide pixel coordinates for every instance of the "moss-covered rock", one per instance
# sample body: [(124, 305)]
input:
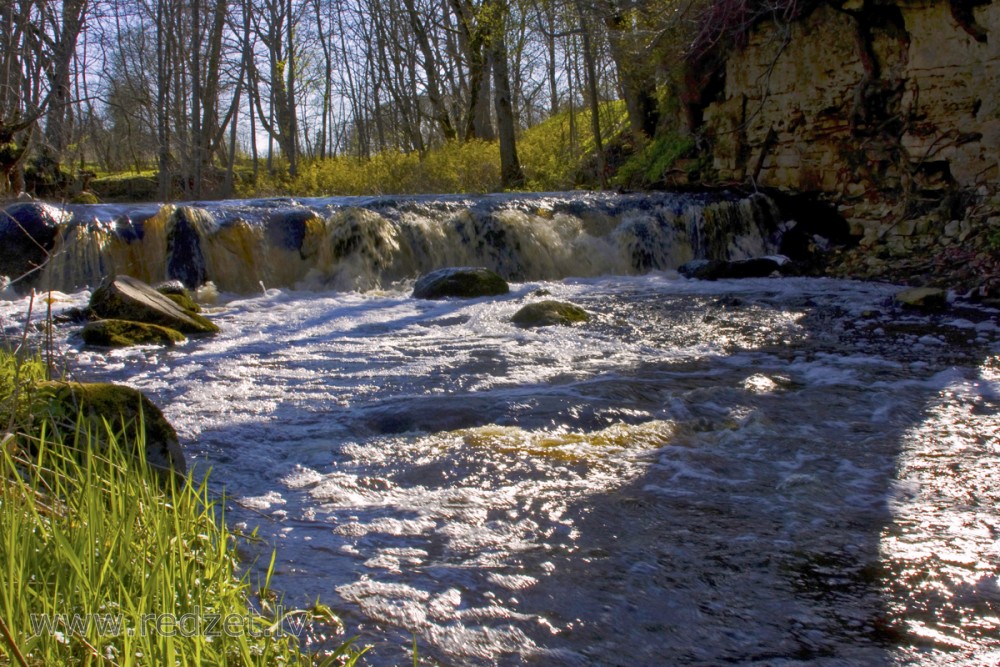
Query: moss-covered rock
[(464, 282), (125, 298), (127, 411), (548, 312), (126, 188), (123, 333), (85, 197)]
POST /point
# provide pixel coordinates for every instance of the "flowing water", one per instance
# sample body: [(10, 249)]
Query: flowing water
[(770, 471)]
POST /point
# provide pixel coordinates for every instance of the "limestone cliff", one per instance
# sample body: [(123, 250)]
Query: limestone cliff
[(864, 97), (887, 107)]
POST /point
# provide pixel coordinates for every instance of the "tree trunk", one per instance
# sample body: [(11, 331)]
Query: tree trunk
[(163, 38), (473, 35), (292, 122), (60, 111), (511, 175), (595, 119), (636, 74), (430, 67)]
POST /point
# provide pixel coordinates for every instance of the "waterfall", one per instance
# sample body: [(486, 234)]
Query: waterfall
[(367, 243)]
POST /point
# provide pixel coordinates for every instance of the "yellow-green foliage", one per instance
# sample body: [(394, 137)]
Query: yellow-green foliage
[(472, 167), (18, 376), (552, 154)]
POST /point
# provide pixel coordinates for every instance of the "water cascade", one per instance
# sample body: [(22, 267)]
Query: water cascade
[(368, 243)]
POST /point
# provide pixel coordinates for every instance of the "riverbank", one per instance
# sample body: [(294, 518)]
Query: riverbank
[(106, 561), (954, 246)]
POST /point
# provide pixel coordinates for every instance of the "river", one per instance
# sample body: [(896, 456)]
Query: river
[(770, 471)]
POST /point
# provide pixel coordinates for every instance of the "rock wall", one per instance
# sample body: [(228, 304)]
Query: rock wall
[(865, 100)]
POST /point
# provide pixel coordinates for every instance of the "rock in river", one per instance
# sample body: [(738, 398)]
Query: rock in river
[(28, 232), (125, 298), (714, 269), (126, 411), (923, 298), (123, 333), (548, 312), (466, 282)]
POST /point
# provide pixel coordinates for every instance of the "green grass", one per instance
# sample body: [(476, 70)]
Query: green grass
[(90, 537), (650, 166)]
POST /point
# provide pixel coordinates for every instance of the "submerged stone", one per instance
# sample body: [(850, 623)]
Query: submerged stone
[(464, 282), (548, 313), (714, 269), (125, 298), (289, 229), (127, 411), (185, 260), (123, 333), (923, 298)]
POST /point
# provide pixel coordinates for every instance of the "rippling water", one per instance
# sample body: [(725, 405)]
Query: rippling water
[(773, 471)]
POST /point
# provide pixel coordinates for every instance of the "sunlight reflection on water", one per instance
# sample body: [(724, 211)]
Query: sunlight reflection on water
[(763, 472)]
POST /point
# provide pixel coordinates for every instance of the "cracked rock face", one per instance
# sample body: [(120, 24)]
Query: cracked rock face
[(864, 97)]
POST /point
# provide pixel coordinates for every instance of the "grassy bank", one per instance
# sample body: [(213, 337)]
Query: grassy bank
[(104, 563), (556, 154), (559, 153)]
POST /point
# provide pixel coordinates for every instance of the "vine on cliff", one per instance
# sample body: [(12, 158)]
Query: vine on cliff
[(727, 23)]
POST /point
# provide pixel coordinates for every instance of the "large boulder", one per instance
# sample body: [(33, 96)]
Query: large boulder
[(548, 312), (28, 233), (465, 282), (125, 298), (123, 333), (128, 412)]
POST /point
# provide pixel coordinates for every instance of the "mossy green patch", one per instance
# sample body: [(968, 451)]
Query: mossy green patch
[(649, 167), (128, 187), (185, 302), (124, 333), (84, 197)]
